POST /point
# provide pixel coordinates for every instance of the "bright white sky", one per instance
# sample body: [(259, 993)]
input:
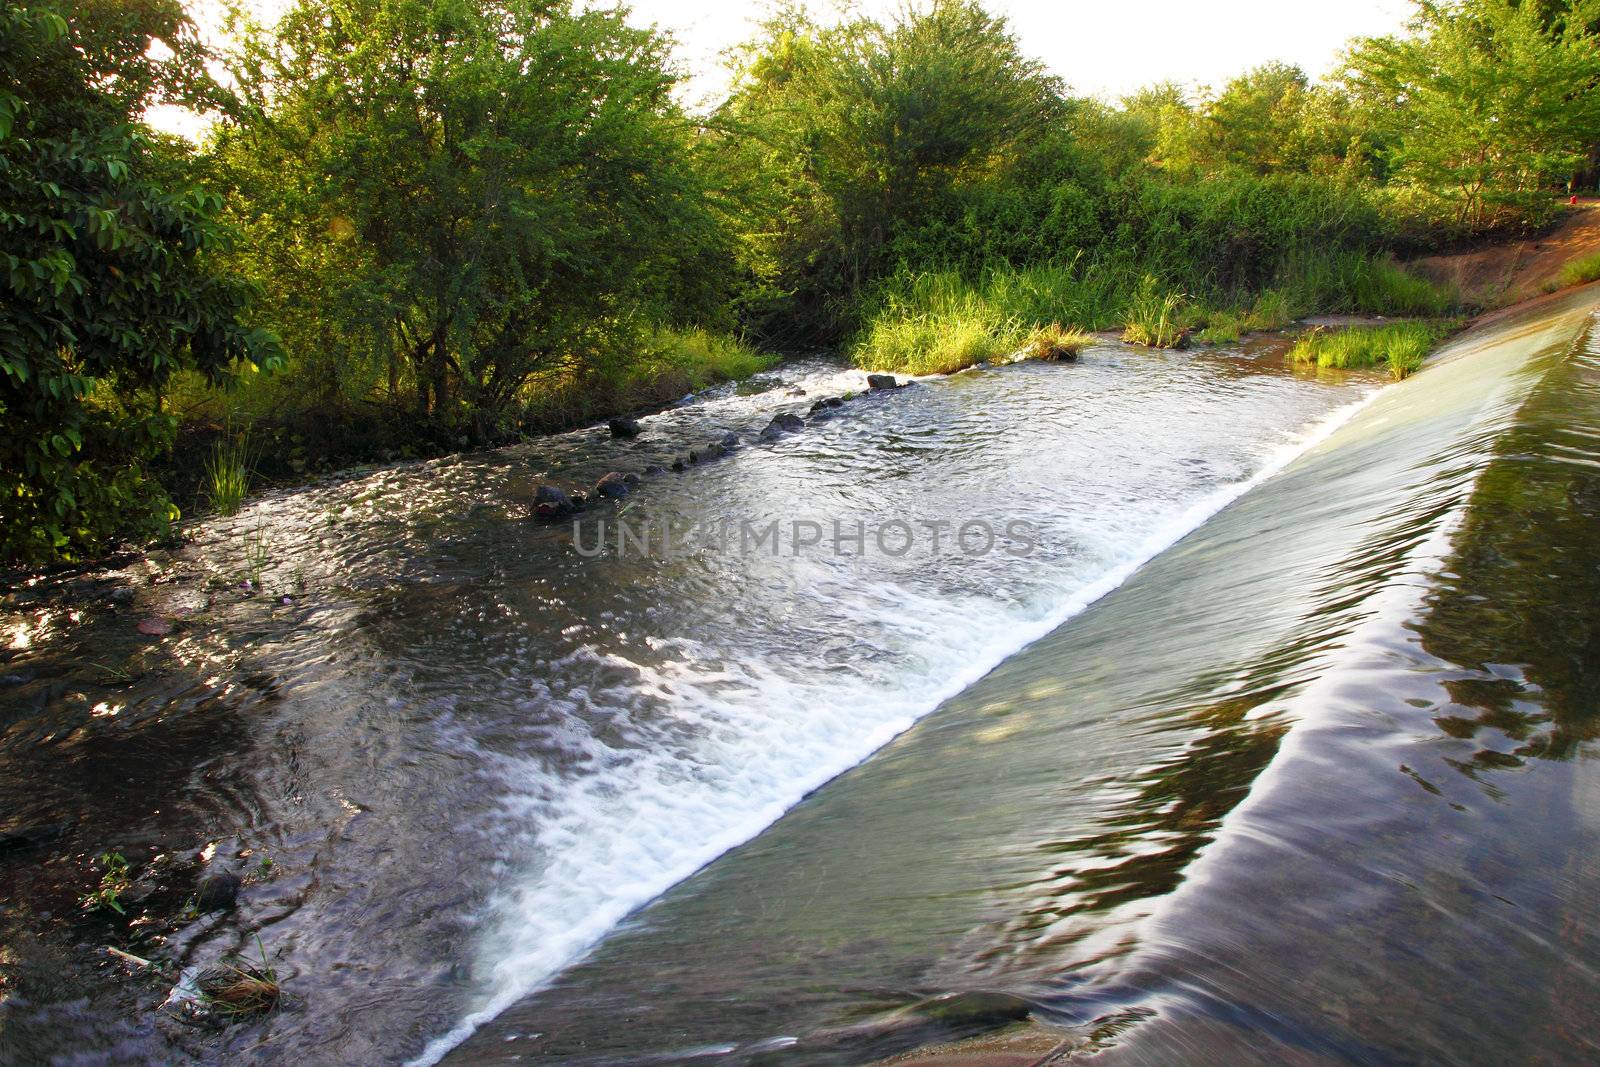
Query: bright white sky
[(1100, 47)]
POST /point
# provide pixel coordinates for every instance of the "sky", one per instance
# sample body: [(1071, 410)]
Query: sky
[(1101, 48)]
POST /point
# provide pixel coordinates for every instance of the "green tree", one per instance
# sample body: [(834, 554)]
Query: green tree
[(1485, 104), (471, 193), (1254, 120), (107, 248), (866, 127)]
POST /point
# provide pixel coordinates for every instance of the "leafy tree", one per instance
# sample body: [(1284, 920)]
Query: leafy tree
[(106, 251), (1255, 118), (1486, 103), (867, 127), (473, 193)]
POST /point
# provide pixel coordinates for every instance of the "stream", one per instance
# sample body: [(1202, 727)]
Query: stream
[(1190, 706)]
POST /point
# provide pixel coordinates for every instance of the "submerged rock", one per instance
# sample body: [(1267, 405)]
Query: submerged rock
[(612, 485), (217, 891), (154, 626), (624, 427), (550, 502), (782, 424), (655, 469), (730, 440)]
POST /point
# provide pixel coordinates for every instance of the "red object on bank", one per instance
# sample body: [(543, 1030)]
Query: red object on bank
[(1574, 200)]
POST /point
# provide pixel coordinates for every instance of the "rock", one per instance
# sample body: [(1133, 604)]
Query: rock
[(882, 381), (655, 469), (782, 424), (795, 391), (678, 465), (730, 440), (579, 499), (708, 453), (631, 478), (217, 891), (612, 485), (155, 626), (624, 427), (550, 502), (16, 678), (825, 404), (121, 595)]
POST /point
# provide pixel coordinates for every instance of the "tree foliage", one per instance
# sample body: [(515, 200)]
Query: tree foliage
[(106, 270), (472, 193), (1485, 102)]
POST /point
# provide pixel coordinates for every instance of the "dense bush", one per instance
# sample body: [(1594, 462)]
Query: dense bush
[(108, 252)]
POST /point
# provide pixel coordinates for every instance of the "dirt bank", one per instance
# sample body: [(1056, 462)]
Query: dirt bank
[(1510, 272)]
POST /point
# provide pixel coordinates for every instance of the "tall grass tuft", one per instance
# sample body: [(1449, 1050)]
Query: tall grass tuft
[(1581, 270), (1152, 318), (227, 473), (1401, 346), (1055, 343)]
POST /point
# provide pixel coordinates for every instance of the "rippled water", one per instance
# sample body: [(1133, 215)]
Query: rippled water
[(473, 752)]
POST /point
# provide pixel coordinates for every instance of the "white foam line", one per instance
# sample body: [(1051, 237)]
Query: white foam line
[(602, 919)]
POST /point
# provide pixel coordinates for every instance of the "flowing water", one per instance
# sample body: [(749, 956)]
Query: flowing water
[(1308, 783)]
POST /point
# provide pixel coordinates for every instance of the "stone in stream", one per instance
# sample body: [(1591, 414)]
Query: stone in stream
[(730, 440), (218, 891), (550, 502), (825, 403), (624, 427), (782, 424), (612, 485), (678, 464), (655, 469), (883, 381), (155, 626)]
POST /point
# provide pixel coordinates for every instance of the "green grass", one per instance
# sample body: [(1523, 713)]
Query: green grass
[(227, 473), (925, 344), (1581, 270), (939, 321), (1153, 318), (1270, 311), (701, 357), (1401, 346), (1359, 284)]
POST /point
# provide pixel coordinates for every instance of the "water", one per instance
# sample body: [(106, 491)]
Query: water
[(472, 753)]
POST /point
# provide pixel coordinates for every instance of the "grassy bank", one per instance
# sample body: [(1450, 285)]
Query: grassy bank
[(1400, 346), (937, 322)]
